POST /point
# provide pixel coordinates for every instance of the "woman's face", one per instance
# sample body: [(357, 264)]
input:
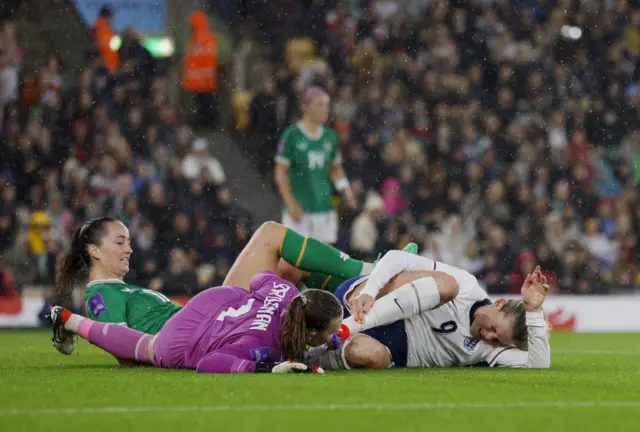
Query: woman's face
[(316, 338), (113, 253)]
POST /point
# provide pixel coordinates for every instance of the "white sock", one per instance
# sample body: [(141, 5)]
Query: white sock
[(367, 268), (407, 301), (73, 322)]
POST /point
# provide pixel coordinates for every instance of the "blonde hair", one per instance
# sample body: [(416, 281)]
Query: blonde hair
[(516, 310)]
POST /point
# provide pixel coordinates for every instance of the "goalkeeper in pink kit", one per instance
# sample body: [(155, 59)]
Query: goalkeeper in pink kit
[(225, 330)]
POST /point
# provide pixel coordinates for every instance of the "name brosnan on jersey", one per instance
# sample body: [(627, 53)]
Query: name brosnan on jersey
[(271, 304)]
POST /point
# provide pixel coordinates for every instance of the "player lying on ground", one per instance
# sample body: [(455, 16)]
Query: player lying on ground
[(223, 330), (100, 252), (410, 324)]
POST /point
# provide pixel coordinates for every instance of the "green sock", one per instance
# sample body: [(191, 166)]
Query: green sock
[(311, 255), (323, 281)]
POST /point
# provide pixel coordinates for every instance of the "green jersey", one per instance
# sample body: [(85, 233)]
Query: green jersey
[(141, 309), (309, 159)]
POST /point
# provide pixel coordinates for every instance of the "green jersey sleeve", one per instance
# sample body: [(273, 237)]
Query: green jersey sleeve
[(286, 148), (107, 306)]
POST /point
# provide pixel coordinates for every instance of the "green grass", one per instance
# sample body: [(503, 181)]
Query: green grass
[(101, 396)]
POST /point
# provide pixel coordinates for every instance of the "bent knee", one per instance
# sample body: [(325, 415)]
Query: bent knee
[(270, 226), (270, 231), (447, 286), (367, 353)]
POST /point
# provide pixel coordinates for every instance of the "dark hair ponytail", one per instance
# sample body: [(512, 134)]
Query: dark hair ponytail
[(74, 268), (314, 309)]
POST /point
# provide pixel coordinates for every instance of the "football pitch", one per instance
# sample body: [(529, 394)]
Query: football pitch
[(593, 385)]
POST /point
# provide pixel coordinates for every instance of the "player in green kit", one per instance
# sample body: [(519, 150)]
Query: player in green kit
[(308, 166), (100, 251)]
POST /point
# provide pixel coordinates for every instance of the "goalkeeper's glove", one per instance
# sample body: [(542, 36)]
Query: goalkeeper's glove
[(287, 367)]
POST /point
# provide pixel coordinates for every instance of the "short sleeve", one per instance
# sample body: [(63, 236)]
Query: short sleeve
[(105, 306)]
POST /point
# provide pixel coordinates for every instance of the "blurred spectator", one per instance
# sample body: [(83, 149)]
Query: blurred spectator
[(199, 159), (364, 232), (8, 76), (50, 84), (264, 124), (8, 288), (392, 196), (525, 265), (180, 279), (200, 71), (453, 241), (103, 34), (136, 61)]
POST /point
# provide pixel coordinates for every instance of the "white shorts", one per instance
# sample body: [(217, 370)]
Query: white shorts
[(320, 226)]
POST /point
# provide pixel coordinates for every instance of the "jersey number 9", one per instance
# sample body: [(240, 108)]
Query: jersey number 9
[(446, 328)]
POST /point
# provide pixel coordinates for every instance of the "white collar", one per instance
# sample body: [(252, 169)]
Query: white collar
[(99, 281), (308, 134)]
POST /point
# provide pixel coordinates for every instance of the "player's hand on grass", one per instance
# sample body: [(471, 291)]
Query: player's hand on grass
[(295, 211), (360, 306), (534, 291)]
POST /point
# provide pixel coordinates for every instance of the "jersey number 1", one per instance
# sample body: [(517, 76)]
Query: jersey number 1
[(234, 313)]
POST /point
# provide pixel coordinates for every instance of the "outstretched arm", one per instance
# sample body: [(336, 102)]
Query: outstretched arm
[(233, 359), (538, 355)]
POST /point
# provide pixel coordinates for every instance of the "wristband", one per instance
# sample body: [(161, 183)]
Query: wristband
[(341, 184)]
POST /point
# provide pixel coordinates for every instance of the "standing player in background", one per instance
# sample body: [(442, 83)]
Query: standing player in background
[(200, 70), (308, 162)]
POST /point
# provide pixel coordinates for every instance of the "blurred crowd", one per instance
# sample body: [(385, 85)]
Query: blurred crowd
[(107, 142), (497, 134)]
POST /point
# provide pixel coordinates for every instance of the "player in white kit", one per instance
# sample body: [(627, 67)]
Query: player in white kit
[(409, 325)]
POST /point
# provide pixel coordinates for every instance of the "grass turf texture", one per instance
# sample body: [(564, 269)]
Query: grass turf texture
[(594, 385)]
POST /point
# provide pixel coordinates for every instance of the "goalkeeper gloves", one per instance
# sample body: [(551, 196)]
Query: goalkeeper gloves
[(287, 367)]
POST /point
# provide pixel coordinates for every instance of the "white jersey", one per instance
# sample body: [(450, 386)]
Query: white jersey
[(441, 337)]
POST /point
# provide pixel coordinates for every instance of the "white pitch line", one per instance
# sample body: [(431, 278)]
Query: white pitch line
[(320, 407), (595, 352)]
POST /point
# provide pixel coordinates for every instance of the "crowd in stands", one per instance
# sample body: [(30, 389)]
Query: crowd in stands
[(497, 134), (107, 142)]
